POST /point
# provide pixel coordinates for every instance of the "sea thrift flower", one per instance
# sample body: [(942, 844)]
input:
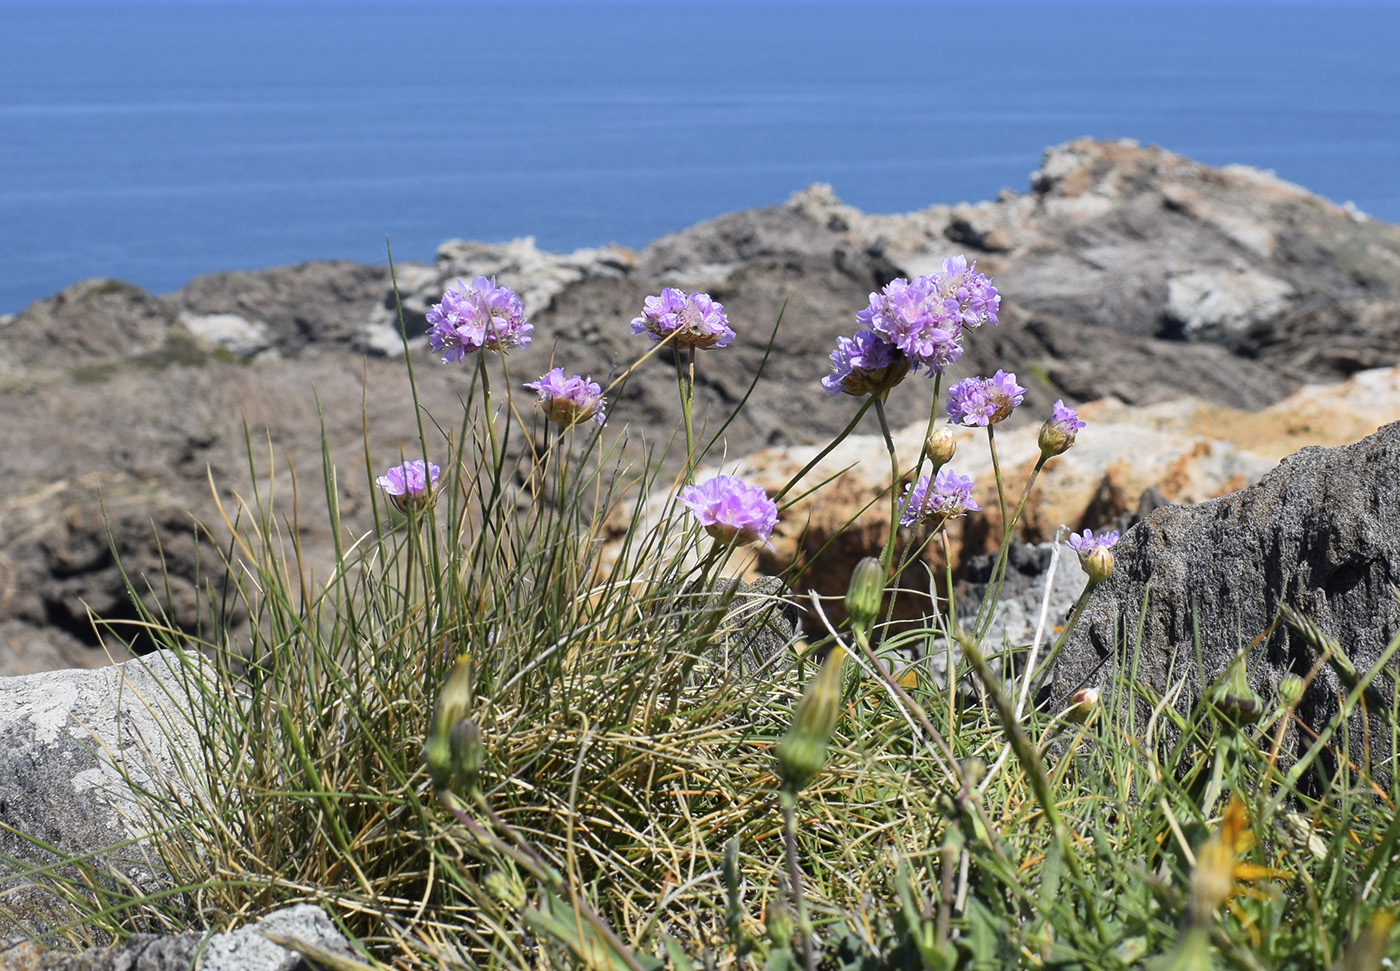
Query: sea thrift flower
[(482, 316), (925, 317), (1057, 434), (411, 485), (571, 400), (949, 496), (865, 364), (732, 512), (984, 401), (912, 318), (967, 293), (1095, 552), (695, 319)]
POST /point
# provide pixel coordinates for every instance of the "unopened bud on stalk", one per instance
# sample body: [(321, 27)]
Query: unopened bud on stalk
[(802, 752), (1235, 699), (863, 594), (1082, 704), (1290, 689), (778, 922), (453, 703), (468, 753), (940, 447), (506, 888)]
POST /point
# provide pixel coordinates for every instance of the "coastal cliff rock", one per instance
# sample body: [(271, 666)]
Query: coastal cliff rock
[(1127, 272)]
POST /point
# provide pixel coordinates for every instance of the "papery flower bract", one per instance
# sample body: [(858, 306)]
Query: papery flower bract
[(732, 512), (984, 401), (949, 496), (411, 485), (472, 318), (1059, 430), (570, 400), (865, 364), (1095, 552), (695, 319)]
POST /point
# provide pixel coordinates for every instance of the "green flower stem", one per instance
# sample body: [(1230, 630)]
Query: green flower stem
[(888, 552), (845, 433), (984, 611), (1059, 644), (687, 393), (788, 801), (1024, 750)]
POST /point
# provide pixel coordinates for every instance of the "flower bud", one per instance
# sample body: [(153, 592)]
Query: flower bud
[(453, 703), (1235, 699), (506, 888), (1290, 689), (940, 447), (1057, 434), (777, 921), (1099, 564), (802, 752), (468, 752), (863, 595), (1082, 704)]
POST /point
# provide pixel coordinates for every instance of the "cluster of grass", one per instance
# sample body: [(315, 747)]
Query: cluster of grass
[(612, 799)]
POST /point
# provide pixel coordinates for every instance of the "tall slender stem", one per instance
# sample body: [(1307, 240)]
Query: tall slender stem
[(888, 552), (799, 902)]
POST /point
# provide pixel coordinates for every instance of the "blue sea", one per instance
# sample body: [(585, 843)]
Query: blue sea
[(156, 141)]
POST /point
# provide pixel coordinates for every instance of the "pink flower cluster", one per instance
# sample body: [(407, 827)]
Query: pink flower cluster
[(568, 401), (732, 512), (479, 317), (921, 321), (694, 319)]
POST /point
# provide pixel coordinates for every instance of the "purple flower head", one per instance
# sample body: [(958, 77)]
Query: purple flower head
[(1059, 430), (912, 318), (482, 316), (411, 485), (571, 400), (984, 401), (731, 512), (1095, 552), (950, 495), (1086, 542), (695, 319), (865, 364), (967, 294)]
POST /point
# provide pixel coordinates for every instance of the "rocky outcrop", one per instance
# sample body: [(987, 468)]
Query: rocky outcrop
[(1319, 534), (1108, 263)]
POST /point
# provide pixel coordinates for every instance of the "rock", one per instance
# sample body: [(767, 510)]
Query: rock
[(316, 306), (1319, 534), (72, 747), (249, 948), (88, 324), (227, 332)]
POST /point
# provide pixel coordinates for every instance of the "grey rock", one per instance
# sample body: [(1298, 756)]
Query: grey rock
[(1320, 534), (232, 333), (247, 948), (75, 747)]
